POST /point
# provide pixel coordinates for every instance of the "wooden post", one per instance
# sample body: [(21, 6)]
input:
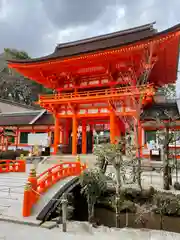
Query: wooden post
[(112, 127), (84, 140), (56, 134), (33, 180), (17, 138), (61, 134), (74, 135), (2, 141), (64, 203), (26, 211)]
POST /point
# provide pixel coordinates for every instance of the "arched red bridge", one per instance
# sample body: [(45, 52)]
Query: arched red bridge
[(50, 180), (27, 193)]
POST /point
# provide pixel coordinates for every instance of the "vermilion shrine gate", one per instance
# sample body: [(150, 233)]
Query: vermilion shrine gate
[(105, 79)]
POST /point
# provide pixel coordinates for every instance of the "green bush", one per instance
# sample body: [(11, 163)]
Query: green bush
[(110, 203), (12, 155), (138, 196), (20, 152), (167, 204), (177, 186)]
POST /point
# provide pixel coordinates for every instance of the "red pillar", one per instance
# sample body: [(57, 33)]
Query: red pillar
[(84, 142), (56, 134), (74, 135), (112, 127), (17, 138), (61, 135)]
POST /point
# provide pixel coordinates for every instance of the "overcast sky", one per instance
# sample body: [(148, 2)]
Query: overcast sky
[(36, 26)]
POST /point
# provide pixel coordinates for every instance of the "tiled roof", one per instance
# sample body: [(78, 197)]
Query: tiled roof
[(45, 119), (26, 118), (15, 119), (106, 41)]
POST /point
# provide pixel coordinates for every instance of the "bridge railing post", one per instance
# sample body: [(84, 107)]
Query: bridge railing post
[(78, 164), (55, 177), (22, 165), (33, 180), (49, 178), (27, 203)]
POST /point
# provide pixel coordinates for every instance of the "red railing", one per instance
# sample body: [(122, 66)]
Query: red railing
[(39, 184), (130, 90), (12, 166)]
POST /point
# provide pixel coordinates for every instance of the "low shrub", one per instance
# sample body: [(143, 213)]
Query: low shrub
[(177, 186), (167, 204), (11, 154), (20, 152), (110, 203), (138, 196)]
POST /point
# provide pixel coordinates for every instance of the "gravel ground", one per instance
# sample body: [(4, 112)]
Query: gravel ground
[(78, 231)]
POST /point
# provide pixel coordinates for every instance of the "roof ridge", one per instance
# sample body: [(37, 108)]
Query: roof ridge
[(19, 113), (107, 35)]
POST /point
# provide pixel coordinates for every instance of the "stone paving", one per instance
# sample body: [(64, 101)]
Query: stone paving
[(11, 195)]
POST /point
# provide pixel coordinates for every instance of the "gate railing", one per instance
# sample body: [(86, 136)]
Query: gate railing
[(117, 92)]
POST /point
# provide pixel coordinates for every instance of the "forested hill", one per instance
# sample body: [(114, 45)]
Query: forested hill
[(14, 86)]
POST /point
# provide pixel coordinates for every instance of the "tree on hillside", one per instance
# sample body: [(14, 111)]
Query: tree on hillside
[(15, 54), (14, 86)]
